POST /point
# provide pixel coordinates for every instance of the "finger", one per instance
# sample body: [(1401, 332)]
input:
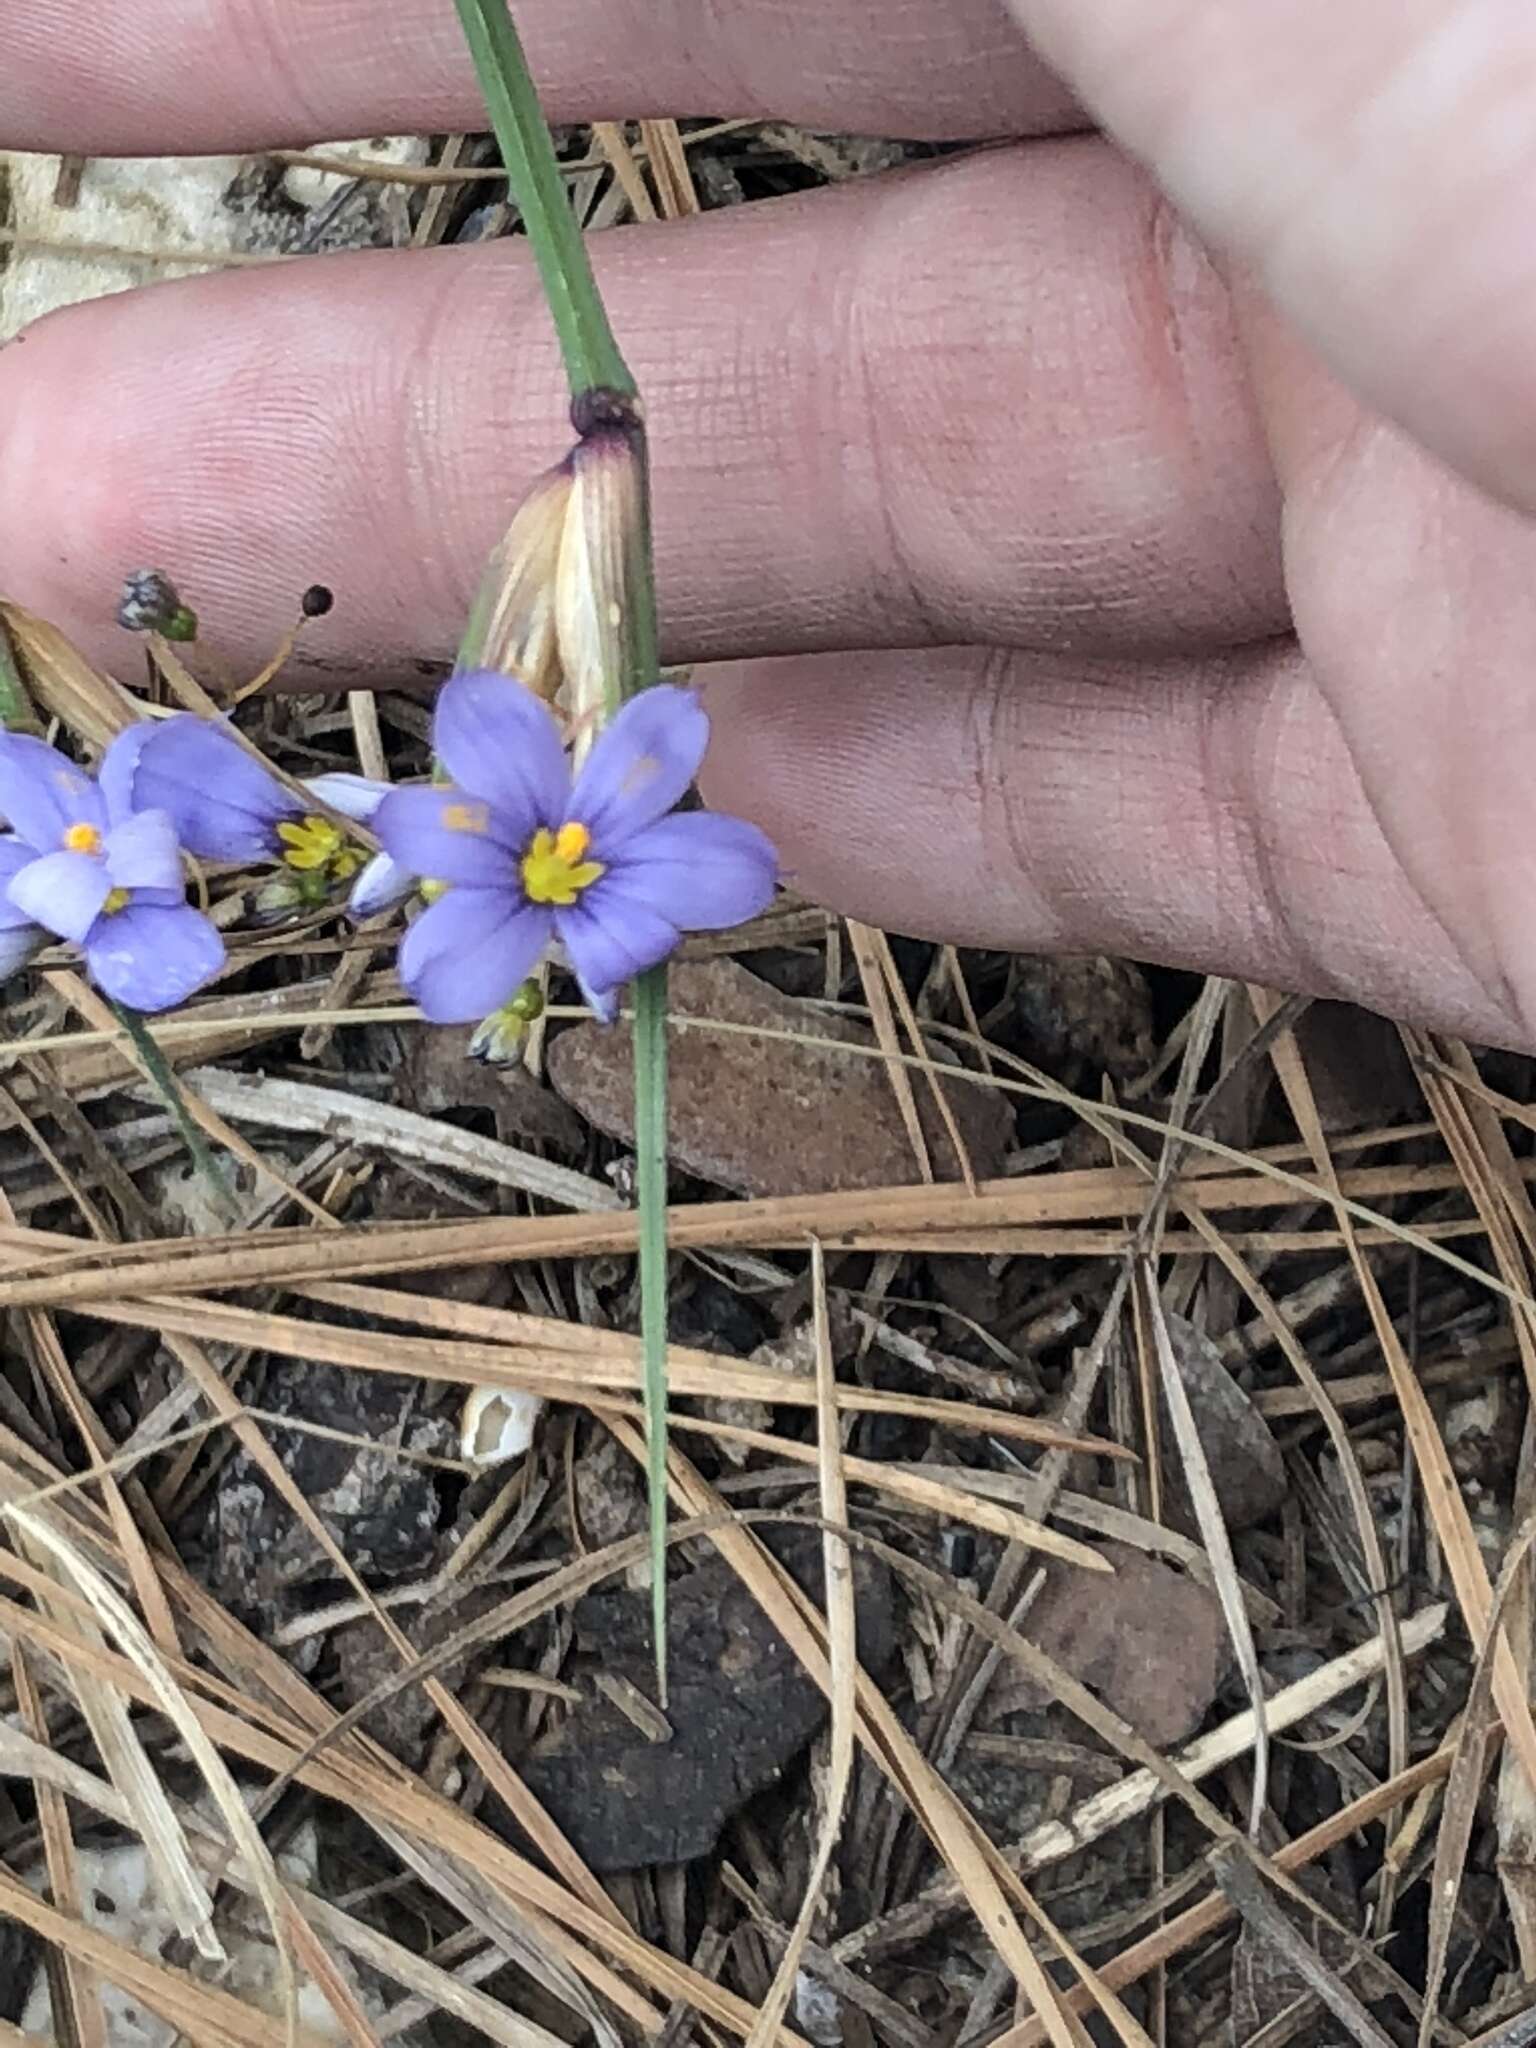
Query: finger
[(1372, 163), (998, 399), (1415, 596), (157, 75), (1200, 815)]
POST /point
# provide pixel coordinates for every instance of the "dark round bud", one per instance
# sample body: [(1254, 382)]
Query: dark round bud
[(150, 603), (316, 601)]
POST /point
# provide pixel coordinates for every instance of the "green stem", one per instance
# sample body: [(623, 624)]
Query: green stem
[(163, 1077), (601, 386), (592, 358)]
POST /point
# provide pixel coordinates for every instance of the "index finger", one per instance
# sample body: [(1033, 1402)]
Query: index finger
[(155, 76)]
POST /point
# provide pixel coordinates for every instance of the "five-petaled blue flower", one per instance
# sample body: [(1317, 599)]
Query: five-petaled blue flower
[(518, 856), (227, 807), (87, 862)]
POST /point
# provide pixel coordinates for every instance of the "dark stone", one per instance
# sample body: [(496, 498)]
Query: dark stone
[(741, 1708), (383, 1510)]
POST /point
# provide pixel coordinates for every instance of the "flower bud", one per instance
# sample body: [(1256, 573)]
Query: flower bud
[(497, 1039), (600, 568), (149, 603), (512, 623)]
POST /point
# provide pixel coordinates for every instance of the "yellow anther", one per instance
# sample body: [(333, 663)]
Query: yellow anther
[(311, 842), (553, 869), (82, 838), (117, 899)]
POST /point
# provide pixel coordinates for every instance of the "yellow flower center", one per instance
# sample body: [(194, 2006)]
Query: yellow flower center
[(82, 838), (117, 899), (311, 842), (554, 867)]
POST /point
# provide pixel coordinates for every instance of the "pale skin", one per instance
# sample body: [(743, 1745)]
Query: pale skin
[(1095, 544)]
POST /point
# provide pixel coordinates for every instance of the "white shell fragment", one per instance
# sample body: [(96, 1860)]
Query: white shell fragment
[(498, 1425)]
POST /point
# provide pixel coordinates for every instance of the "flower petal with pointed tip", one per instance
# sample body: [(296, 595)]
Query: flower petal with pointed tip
[(152, 956), (704, 871), (354, 796), (612, 938), (63, 892), (119, 766), (640, 765), (470, 952), (500, 742), (42, 794), (380, 885), (142, 853), (450, 836), (223, 804)]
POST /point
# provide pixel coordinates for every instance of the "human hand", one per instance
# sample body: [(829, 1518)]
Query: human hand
[(999, 499)]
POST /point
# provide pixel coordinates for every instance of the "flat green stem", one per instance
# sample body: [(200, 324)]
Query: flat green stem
[(592, 358), (596, 371), (163, 1077)]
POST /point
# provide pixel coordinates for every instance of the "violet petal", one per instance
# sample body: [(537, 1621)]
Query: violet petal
[(500, 742), (18, 942), (15, 854), (152, 956), (42, 794), (355, 796), (142, 853), (640, 765), (611, 936), (704, 871), (63, 892), (450, 836), (380, 885), (119, 768), (470, 952), (224, 805)]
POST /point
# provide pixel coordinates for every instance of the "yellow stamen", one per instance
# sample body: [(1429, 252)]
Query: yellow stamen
[(553, 868), (311, 842), (117, 899), (82, 838)]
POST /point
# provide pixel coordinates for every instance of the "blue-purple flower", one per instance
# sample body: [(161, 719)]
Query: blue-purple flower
[(227, 807), (518, 856), (87, 861)]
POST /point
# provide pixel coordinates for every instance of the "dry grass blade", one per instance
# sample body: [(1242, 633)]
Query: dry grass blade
[(872, 965), (1213, 1531), (1468, 1768), (671, 174), (558, 1373), (842, 1659), (63, 681), (299, 1106)]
